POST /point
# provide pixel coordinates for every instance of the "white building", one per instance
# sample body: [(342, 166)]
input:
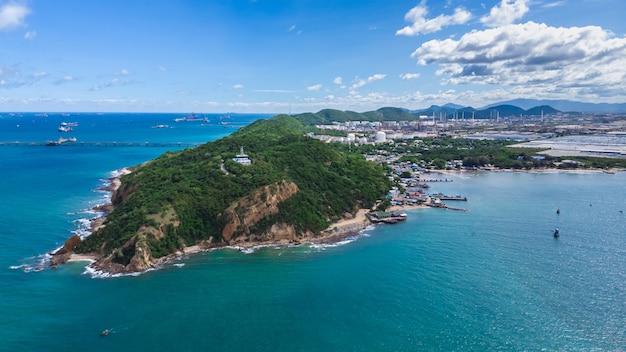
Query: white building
[(242, 158)]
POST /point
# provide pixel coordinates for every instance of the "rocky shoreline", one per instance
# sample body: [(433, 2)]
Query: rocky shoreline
[(337, 232), (65, 253)]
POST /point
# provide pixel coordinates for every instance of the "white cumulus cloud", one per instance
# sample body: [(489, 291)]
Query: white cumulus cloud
[(576, 59), (361, 82), (508, 12), (338, 81), (238, 86), (422, 25), (66, 79), (409, 76), (314, 88), (12, 15), (30, 35)]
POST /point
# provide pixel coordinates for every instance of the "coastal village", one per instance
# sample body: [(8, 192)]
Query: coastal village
[(559, 134)]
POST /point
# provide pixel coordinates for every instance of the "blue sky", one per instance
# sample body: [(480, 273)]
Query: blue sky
[(306, 55)]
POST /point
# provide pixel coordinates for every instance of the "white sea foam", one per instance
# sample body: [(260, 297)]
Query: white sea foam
[(99, 274), (37, 263), (249, 250), (343, 242)]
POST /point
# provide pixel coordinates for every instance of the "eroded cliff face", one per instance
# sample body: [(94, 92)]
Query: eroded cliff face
[(249, 211), (141, 259), (121, 194)]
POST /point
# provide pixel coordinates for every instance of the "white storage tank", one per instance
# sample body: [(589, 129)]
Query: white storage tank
[(351, 137), (380, 136)]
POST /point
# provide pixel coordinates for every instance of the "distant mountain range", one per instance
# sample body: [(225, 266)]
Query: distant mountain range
[(448, 111), (517, 108), (565, 105)]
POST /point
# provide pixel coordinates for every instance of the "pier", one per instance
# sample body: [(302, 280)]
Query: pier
[(444, 206), (436, 180), (442, 196), (103, 144)]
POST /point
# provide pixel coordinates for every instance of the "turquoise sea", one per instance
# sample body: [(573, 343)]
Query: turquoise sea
[(493, 278)]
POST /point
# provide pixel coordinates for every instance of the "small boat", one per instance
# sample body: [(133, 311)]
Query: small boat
[(67, 126), (161, 126), (556, 233), (105, 332), (442, 196), (558, 211), (191, 118)]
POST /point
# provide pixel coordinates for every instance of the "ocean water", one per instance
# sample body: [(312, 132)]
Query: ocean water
[(492, 278)]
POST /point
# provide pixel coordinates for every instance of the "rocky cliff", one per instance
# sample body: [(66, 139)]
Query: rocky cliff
[(242, 215)]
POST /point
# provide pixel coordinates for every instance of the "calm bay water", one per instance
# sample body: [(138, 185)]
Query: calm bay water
[(492, 278)]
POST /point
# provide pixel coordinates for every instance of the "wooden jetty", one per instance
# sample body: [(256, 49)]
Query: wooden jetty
[(444, 206), (442, 196), (436, 180), (386, 217)]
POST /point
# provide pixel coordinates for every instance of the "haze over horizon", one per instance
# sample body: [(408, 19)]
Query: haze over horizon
[(298, 56)]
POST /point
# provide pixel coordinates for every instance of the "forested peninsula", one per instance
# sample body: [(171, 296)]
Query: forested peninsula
[(292, 189)]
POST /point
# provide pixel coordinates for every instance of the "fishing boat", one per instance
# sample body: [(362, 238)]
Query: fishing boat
[(445, 197), (67, 126), (63, 127), (556, 233)]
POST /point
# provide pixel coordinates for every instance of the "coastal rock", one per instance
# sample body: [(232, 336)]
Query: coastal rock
[(69, 245), (133, 256), (64, 253), (142, 260)]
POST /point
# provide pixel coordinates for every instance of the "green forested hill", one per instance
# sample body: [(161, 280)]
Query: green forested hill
[(182, 196), (328, 116)]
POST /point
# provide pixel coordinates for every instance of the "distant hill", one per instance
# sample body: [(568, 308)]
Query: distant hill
[(541, 110), (566, 105), (327, 116)]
